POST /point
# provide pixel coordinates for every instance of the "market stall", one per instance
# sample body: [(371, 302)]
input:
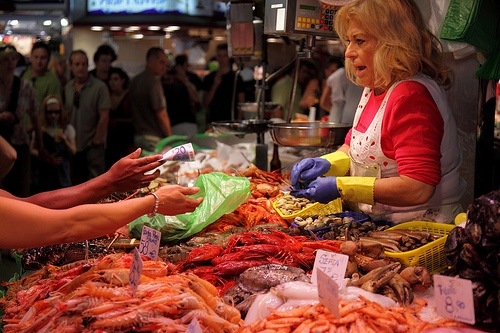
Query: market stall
[(249, 270)]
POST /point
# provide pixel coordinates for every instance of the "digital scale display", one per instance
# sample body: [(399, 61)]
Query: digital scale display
[(306, 7), (299, 17), (314, 18)]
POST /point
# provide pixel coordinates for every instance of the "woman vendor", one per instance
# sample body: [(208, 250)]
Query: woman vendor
[(402, 154)]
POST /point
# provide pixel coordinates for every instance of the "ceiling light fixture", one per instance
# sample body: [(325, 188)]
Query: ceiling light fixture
[(172, 28), (64, 22), (134, 28), (137, 36), (115, 28), (96, 28), (47, 23), (154, 28)]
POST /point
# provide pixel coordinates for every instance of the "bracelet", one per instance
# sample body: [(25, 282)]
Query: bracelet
[(155, 208)]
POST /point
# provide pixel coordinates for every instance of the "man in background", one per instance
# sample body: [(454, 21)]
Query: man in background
[(218, 88), (340, 97), (181, 62), (88, 101), (147, 102), (281, 91), (43, 80), (104, 56)]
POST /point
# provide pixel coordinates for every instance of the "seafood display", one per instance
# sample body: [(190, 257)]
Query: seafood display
[(98, 298), (249, 256), (289, 205), (61, 254), (358, 316), (263, 183), (473, 253), (248, 249), (258, 280)]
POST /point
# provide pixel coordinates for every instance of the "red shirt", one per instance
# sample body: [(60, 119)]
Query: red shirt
[(412, 130)]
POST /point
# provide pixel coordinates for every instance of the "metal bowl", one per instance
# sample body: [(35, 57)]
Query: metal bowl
[(249, 110), (309, 134), (241, 127), (253, 106)]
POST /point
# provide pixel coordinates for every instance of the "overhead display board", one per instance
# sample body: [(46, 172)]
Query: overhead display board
[(122, 7)]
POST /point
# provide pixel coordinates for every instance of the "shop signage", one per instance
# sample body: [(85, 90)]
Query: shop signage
[(189, 7)]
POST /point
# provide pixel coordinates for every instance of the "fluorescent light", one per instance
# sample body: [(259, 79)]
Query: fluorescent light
[(64, 22), (172, 28), (14, 22), (47, 23), (115, 28), (96, 28), (154, 28), (137, 36), (134, 28)]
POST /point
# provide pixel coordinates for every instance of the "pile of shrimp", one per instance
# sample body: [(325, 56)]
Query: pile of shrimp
[(361, 316), (100, 299)]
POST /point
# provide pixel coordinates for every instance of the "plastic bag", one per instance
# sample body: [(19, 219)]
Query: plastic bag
[(221, 195), (473, 22)]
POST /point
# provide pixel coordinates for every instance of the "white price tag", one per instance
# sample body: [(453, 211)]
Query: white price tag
[(134, 276), (331, 263), (150, 242), (454, 298), (194, 327), (328, 293), (183, 153)]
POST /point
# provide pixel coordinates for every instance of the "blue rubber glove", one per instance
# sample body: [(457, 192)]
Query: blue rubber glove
[(308, 169), (323, 190)]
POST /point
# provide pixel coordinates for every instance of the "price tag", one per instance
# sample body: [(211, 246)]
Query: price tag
[(454, 298), (328, 293), (194, 327), (331, 263), (134, 276), (150, 242), (183, 153)]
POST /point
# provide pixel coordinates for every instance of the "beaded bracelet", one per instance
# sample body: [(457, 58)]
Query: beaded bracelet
[(155, 208)]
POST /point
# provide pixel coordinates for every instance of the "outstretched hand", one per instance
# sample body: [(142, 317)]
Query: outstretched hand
[(174, 200), (129, 172)]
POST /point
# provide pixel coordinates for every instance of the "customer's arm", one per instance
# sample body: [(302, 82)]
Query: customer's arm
[(125, 175), (26, 225)]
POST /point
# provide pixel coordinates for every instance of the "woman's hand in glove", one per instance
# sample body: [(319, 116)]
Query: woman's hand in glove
[(308, 169), (323, 190)]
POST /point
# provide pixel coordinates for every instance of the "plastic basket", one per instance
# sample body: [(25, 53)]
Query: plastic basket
[(315, 209), (430, 255)]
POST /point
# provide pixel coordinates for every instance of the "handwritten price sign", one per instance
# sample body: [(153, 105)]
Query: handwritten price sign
[(150, 242), (332, 264), (328, 293), (454, 298), (134, 275)]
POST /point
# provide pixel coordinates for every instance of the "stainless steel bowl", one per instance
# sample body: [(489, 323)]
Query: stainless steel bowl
[(309, 134), (241, 127), (249, 110)]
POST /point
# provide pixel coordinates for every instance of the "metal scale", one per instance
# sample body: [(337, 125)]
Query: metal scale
[(304, 19), (245, 43)]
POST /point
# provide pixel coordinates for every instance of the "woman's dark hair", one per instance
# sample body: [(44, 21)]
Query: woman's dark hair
[(122, 74)]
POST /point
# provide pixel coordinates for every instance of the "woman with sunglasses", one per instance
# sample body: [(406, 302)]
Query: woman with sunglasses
[(59, 141)]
